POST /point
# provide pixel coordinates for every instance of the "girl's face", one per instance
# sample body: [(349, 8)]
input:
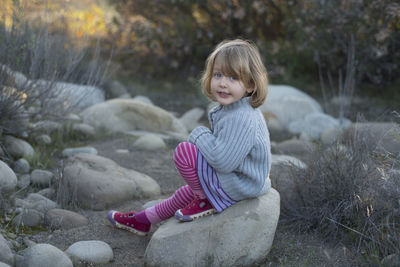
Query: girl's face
[(226, 90)]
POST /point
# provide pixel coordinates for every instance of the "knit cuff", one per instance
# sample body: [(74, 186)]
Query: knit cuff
[(152, 215), (197, 132)]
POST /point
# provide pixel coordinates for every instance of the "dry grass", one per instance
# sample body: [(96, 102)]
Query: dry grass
[(32, 60), (349, 193)]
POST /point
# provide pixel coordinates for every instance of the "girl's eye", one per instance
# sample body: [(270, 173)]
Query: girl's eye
[(217, 75), (232, 78)]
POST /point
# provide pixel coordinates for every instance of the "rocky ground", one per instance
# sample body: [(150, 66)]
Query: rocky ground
[(289, 248)]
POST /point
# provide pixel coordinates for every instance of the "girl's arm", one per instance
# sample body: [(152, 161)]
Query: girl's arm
[(224, 152)]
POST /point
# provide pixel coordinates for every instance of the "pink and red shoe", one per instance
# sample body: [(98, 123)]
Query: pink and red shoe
[(128, 221), (195, 209)]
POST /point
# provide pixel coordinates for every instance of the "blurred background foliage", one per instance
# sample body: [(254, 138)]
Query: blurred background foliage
[(312, 44)]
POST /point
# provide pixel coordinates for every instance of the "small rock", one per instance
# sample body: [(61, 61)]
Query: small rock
[(42, 178), (391, 260), (47, 192), (21, 166), (331, 136), (47, 127), (29, 218), (113, 89), (84, 130), (12, 235), (18, 148), (37, 202), (16, 245), (288, 160), (69, 152), (6, 254), (295, 147), (122, 151), (44, 255), (73, 117), (150, 142), (8, 179), (64, 219), (28, 243), (24, 181), (97, 252), (43, 139)]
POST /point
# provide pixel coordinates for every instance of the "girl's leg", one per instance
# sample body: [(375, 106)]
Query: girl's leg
[(167, 208), (185, 158), (185, 200), (140, 222)]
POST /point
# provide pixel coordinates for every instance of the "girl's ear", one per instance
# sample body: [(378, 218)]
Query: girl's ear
[(250, 90)]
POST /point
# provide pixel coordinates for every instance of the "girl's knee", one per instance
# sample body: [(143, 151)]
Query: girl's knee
[(184, 148)]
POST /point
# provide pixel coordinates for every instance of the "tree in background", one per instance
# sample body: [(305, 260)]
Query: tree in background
[(340, 42), (351, 41), (180, 34)]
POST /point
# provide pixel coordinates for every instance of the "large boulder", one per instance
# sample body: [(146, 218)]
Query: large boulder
[(240, 236), (315, 124), (96, 182), (8, 179), (73, 97), (191, 118), (124, 115), (289, 104)]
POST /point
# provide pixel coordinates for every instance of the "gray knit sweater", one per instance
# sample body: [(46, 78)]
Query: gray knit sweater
[(238, 148)]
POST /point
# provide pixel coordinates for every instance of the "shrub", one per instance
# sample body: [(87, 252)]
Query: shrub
[(350, 191), (32, 60)]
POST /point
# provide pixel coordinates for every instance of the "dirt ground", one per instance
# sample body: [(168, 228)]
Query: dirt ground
[(289, 248)]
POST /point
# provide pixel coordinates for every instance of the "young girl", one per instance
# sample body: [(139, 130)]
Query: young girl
[(227, 163)]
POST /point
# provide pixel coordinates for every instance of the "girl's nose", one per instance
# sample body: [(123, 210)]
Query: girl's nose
[(223, 81)]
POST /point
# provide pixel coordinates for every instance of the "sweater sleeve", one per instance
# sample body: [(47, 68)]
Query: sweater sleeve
[(224, 152)]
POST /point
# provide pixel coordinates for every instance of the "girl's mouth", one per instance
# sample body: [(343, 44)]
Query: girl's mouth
[(223, 95)]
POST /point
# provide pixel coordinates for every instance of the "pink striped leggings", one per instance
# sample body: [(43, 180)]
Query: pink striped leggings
[(185, 158)]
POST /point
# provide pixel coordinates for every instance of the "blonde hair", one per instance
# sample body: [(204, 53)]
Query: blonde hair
[(240, 59)]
